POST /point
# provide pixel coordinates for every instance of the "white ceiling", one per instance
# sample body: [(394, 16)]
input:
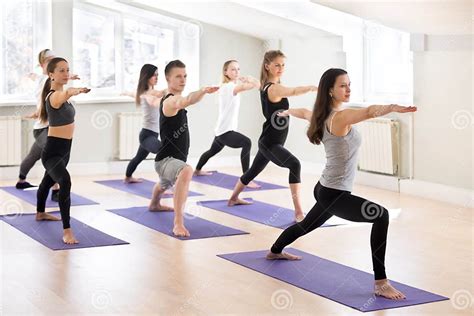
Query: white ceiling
[(414, 16), (236, 17), (309, 18)]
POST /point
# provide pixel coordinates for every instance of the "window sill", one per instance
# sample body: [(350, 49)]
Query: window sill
[(77, 100)]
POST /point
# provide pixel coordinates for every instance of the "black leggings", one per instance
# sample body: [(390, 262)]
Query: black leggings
[(55, 158), (347, 206), (232, 139), (277, 154), (149, 143)]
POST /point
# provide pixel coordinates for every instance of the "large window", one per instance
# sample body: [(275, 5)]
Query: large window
[(388, 71), (26, 30), (94, 48), (145, 42), (111, 45)]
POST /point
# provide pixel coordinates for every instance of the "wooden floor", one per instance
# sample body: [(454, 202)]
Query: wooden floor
[(429, 247)]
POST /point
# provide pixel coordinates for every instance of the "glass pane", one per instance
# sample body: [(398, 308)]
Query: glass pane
[(145, 43), (389, 60), (94, 49), (17, 56)]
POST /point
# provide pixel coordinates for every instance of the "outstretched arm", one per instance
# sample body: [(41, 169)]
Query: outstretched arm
[(353, 116), (277, 91), (246, 83), (300, 113), (59, 97)]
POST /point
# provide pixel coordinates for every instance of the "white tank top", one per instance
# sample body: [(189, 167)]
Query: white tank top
[(229, 105)]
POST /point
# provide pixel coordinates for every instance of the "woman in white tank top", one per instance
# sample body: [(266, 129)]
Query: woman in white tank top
[(226, 128)]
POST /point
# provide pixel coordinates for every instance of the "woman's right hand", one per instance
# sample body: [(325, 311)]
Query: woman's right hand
[(284, 113), (403, 109), (76, 91)]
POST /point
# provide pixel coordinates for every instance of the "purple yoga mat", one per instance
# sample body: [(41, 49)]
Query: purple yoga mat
[(30, 197), (142, 189), (163, 222), (228, 181), (337, 282), (260, 212), (50, 233)]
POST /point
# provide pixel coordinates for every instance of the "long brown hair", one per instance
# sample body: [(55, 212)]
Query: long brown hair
[(47, 86), (267, 59), (226, 79), (146, 73), (323, 104)]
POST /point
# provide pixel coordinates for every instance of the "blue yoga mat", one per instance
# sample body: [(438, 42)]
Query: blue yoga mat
[(260, 212), (143, 189), (337, 282), (163, 222), (227, 181), (30, 197), (50, 233)]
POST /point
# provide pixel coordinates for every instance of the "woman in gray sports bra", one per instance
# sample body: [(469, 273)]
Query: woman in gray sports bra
[(333, 126), (149, 100), (56, 109)]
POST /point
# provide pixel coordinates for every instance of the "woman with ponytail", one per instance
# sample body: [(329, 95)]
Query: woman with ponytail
[(56, 109), (226, 128), (149, 100), (332, 125), (40, 129), (274, 98)]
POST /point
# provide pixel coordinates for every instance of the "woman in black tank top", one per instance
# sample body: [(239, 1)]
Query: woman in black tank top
[(274, 131)]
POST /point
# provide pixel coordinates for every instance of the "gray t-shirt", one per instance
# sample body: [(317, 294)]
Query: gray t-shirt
[(341, 155), (151, 116)]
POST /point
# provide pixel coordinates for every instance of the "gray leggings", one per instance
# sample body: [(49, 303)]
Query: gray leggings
[(34, 154)]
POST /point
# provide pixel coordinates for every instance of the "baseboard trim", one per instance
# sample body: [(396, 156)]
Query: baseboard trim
[(429, 190), (440, 192)]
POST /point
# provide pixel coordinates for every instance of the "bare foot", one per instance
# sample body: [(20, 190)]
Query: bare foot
[(253, 185), (168, 192), (238, 202), (160, 208), (132, 180), (202, 173), (385, 289), (180, 231), (43, 216), (68, 237), (299, 217), (282, 256)]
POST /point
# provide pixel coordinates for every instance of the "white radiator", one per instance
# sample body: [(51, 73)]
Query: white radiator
[(130, 125), (10, 140), (379, 151)]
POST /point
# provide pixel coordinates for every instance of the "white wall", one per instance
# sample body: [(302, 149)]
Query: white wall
[(306, 61), (443, 125)]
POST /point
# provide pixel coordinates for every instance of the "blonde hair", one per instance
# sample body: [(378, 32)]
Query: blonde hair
[(43, 55), (226, 79), (267, 59)]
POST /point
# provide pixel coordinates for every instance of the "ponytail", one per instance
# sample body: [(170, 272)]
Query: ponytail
[(43, 115)]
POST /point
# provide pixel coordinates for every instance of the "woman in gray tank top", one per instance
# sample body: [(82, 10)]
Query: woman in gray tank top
[(149, 101), (331, 125)]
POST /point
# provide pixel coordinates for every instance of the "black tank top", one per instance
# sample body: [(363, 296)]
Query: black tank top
[(62, 116), (174, 134), (275, 128)]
